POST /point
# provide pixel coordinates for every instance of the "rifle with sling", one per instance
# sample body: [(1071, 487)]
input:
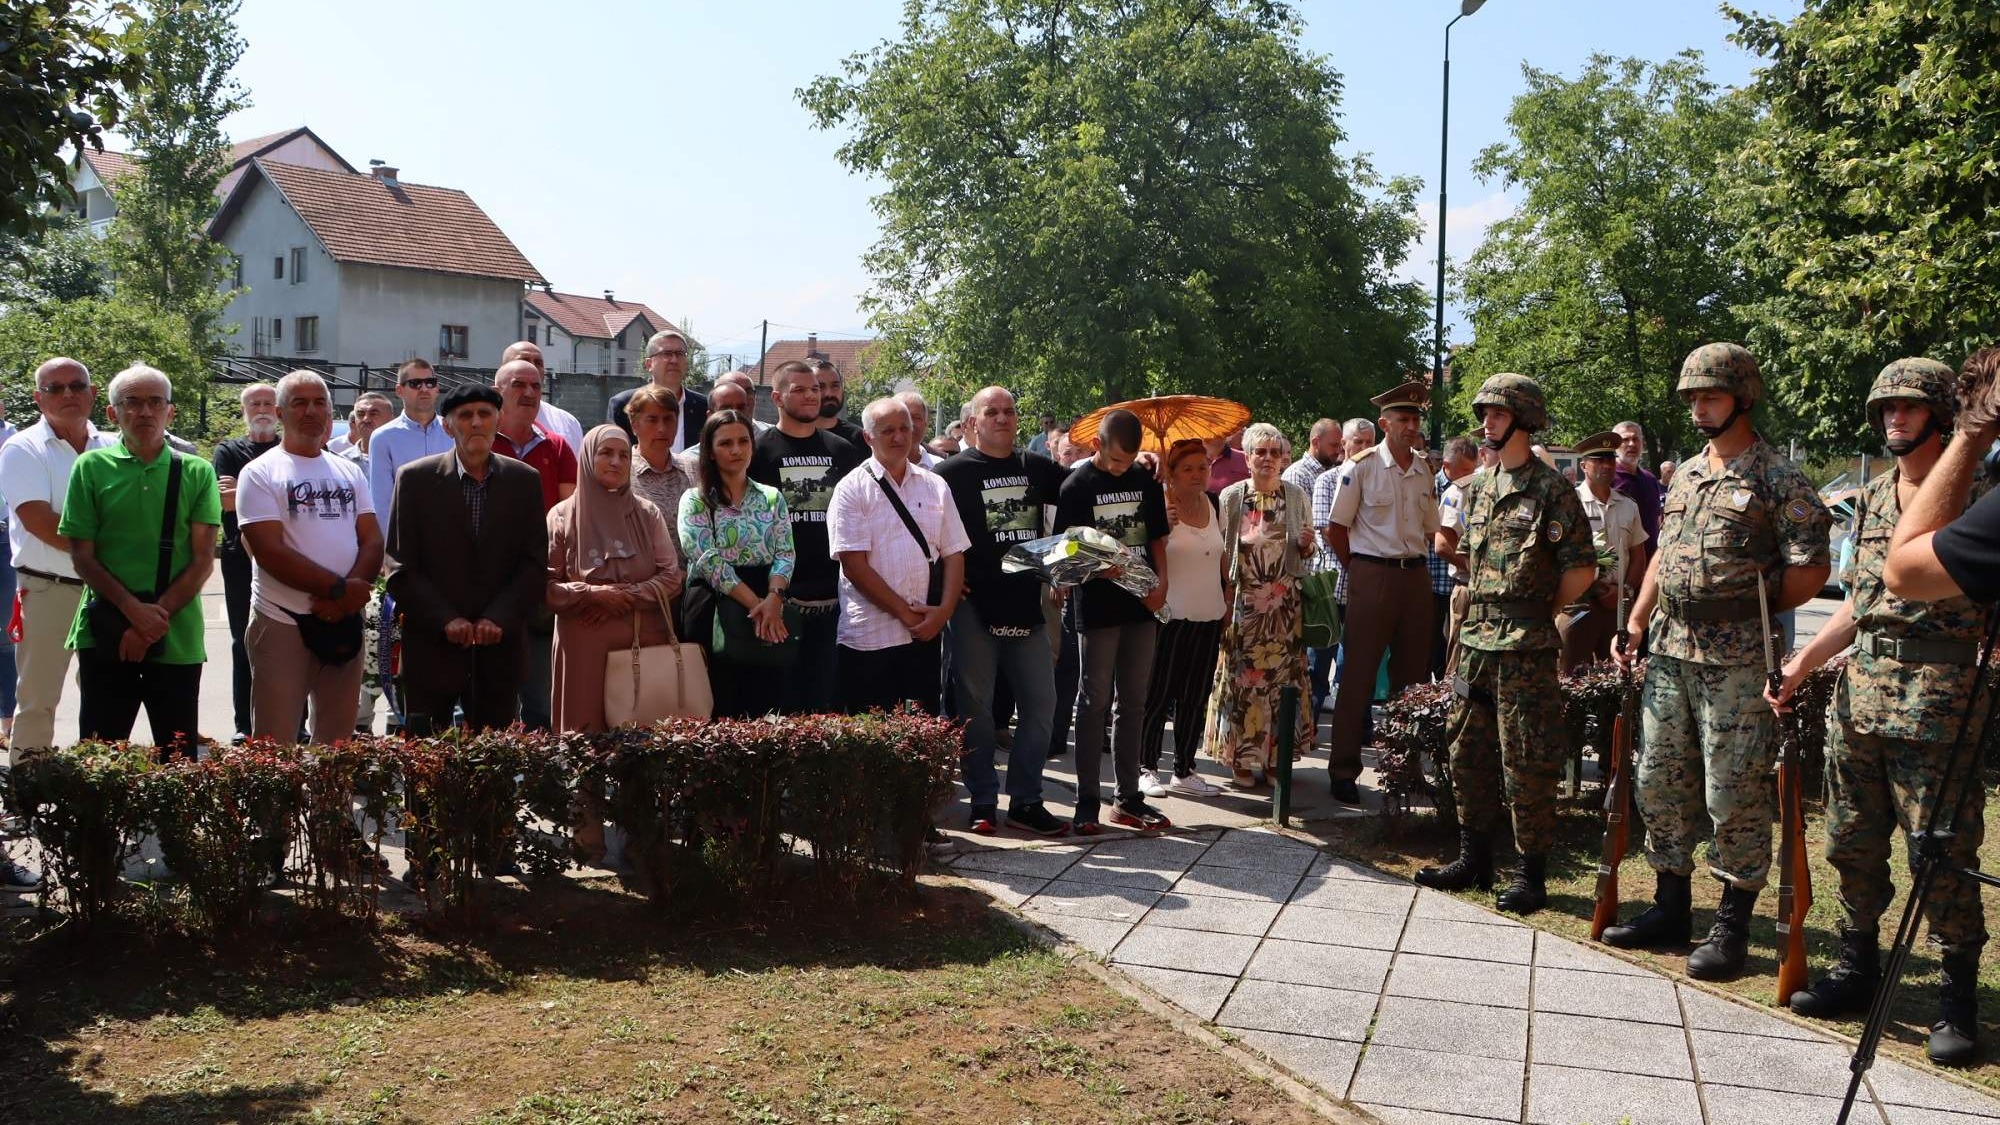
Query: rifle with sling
[(1794, 877), (1617, 792)]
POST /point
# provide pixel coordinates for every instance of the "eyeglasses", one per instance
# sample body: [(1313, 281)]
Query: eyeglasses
[(421, 384), (677, 352), (81, 386), (153, 403)]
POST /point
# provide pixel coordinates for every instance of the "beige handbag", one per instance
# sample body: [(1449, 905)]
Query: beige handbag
[(645, 684)]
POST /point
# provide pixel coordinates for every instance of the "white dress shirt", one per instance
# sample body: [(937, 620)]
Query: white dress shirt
[(1615, 524), (562, 423), (861, 518), (35, 465)]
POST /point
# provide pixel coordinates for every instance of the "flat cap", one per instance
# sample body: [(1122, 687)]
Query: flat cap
[(1598, 445), (468, 394), (1410, 396)]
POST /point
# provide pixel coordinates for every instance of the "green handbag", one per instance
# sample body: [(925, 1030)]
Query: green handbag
[(1322, 613)]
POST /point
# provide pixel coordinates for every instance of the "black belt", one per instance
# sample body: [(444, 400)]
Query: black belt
[(1410, 563), (1916, 650), (1712, 609), (47, 577), (1509, 611)]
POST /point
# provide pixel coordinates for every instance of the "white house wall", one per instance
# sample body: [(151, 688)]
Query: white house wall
[(389, 315), (265, 228)]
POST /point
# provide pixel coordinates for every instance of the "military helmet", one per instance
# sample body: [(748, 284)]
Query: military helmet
[(1922, 380), (1517, 393), (1722, 367)]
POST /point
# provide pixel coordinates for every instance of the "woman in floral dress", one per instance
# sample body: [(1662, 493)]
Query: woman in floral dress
[(1267, 536)]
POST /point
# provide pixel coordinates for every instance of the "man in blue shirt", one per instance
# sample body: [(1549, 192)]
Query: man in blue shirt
[(416, 433)]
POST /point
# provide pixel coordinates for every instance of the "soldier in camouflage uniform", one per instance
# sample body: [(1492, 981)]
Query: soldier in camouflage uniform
[(1528, 547), (1891, 727), (1736, 515)]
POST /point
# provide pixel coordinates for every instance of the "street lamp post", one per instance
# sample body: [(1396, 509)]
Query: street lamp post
[(1438, 388)]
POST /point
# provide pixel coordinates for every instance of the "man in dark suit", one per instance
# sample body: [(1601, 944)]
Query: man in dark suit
[(470, 546), (666, 362)]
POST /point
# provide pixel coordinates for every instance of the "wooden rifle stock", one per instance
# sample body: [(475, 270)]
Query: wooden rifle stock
[(1794, 876), (1617, 799)]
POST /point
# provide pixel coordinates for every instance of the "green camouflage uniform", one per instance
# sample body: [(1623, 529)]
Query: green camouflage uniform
[(1523, 529), (1890, 730), (1705, 765)]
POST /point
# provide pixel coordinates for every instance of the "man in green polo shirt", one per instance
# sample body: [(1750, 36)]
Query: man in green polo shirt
[(113, 516)]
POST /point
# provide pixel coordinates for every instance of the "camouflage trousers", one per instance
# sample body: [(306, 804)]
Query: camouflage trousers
[(1876, 785), (1507, 738), (1705, 768)]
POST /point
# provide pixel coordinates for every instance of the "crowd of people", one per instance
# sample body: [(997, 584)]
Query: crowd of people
[(478, 556)]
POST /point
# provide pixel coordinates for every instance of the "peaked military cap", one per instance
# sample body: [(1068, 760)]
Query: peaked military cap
[(1598, 445), (1410, 396)]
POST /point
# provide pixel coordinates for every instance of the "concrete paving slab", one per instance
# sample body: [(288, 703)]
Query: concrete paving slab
[(1911, 1115), (1299, 1009), (1201, 994), (1163, 948), (1044, 862), (1552, 952), (1327, 966), (1488, 983), (1093, 900), (1647, 999), (1435, 1080), (1010, 889), (1355, 894), (1474, 1029), (1261, 852), (1770, 1064), (1560, 1095), (1237, 882), (1215, 915), (1355, 928), (1118, 873), (1621, 1046), (1710, 1012), (1396, 1115), (1730, 1104), (1433, 904), (1442, 938), (1899, 1084), (1098, 935), (1334, 867), (1328, 1063)]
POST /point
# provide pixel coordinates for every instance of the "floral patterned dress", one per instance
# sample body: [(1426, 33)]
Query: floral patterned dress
[(1262, 649)]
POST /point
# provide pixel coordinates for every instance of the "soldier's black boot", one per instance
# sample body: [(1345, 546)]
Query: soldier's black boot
[(1529, 891), (1850, 987), (1472, 868), (1955, 1035), (1721, 957), (1669, 921)]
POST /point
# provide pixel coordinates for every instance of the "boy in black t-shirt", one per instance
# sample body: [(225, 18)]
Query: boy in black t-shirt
[(1117, 630)]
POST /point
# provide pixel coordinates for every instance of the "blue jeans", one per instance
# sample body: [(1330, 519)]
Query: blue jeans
[(979, 659)]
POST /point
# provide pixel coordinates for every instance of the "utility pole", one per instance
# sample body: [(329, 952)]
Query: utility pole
[(763, 345)]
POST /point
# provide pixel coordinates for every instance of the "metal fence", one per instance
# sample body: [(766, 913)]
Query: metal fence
[(585, 395)]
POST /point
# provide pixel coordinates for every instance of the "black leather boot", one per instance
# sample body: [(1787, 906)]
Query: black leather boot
[(1849, 988), (1529, 891), (1955, 1035), (1721, 957), (1472, 868), (1669, 921)]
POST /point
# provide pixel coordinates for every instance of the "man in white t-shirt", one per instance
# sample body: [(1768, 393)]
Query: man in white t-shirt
[(310, 525)]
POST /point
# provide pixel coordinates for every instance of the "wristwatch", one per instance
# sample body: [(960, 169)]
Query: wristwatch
[(337, 591)]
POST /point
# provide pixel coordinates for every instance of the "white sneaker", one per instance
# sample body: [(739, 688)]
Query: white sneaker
[(1153, 783), (1193, 785)]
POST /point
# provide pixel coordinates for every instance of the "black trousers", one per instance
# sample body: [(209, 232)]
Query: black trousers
[(236, 598), (889, 677), (1069, 674), (111, 691), (1183, 673), (490, 696)]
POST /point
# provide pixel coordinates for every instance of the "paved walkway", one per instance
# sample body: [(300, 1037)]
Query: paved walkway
[(1426, 1010)]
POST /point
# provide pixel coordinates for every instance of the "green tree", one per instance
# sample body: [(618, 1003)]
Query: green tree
[(64, 74), (1616, 264), (159, 240), (1099, 200), (62, 263), (1868, 193), (105, 334)]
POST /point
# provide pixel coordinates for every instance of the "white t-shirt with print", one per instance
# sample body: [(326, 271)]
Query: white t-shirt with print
[(317, 500)]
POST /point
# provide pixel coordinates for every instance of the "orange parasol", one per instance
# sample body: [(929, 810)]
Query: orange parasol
[(1170, 418)]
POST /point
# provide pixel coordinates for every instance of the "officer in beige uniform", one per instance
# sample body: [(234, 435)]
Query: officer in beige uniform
[(1383, 516), (1587, 625)]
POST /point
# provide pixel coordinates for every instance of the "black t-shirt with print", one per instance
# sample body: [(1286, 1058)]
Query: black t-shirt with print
[(1000, 501), (1131, 508), (805, 470)]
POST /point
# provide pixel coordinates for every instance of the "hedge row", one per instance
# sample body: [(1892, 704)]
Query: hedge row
[(707, 805)]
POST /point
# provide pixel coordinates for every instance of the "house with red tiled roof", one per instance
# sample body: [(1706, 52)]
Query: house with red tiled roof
[(96, 176), (346, 267), (852, 357), (592, 335)]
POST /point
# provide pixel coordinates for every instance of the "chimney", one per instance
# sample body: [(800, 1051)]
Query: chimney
[(609, 299), (383, 172), (812, 344)]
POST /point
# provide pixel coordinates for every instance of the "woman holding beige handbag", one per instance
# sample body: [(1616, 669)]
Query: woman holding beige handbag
[(613, 570)]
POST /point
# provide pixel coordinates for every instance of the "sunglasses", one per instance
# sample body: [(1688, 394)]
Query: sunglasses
[(75, 388), (420, 384)]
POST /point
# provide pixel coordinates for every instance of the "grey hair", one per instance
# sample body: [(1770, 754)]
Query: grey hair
[(243, 398), (294, 381), (138, 373), (875, 411), (1257, 433), (1356, 427), (1622, 425)]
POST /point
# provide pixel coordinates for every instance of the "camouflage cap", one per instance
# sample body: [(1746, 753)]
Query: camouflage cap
[(1409, 396), (1722, 367), (1517, 393), (1922, 380), (1598, 445)]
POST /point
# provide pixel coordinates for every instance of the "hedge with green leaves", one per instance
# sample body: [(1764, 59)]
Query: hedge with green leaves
[(706, 807)]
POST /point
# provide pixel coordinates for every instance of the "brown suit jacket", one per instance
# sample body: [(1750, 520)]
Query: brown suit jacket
[(443, 573)]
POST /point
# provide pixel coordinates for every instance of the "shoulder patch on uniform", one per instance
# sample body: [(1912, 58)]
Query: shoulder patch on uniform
[(1554, 531), (1798, 511), (1347, 476)]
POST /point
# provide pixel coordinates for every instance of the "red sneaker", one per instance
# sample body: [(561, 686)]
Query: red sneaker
[(1141, 816)]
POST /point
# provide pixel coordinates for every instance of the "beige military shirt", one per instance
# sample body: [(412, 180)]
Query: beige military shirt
[(1389, 512), (1615, 526)]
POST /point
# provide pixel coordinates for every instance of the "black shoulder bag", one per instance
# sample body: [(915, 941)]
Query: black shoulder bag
[(108, 625), (934, 596)]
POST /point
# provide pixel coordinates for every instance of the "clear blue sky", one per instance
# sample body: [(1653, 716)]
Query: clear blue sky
[(657, 149)]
